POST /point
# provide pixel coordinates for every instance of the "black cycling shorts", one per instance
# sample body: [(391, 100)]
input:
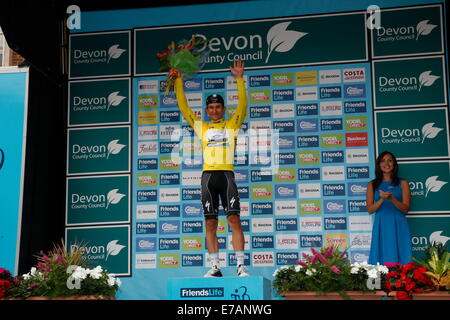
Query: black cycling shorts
[(221, 184)]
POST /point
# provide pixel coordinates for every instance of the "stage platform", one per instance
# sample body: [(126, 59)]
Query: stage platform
[(224, 288)]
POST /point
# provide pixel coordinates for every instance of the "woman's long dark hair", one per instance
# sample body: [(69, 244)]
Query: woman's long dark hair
[(379, 174)]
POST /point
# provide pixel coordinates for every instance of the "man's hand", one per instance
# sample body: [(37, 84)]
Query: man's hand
[(175, 73), (237, 69)]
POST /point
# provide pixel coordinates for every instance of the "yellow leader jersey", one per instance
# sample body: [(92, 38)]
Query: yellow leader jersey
[(218, 138)]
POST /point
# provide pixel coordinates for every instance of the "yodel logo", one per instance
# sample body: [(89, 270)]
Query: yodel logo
[(2, 158)]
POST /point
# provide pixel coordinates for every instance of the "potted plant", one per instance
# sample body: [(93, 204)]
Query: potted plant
[(63, 274), (407, 280), (437, 262), (328, 274)]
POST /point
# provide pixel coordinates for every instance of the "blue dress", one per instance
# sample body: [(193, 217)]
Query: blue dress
[(391, 238)]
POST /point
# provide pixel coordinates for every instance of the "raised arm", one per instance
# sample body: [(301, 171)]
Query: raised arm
[(241, 111), (188, 114)]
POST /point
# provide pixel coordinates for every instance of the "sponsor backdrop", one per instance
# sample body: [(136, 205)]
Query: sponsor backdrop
[(326, 94), (13, 126)]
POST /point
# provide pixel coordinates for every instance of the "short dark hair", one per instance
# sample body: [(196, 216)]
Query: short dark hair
[(215, 98)]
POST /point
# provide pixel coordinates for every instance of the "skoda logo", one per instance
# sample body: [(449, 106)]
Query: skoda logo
[(2, 158)]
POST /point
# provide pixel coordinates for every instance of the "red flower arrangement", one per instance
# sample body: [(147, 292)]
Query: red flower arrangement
[(407, 279), (5, 282), (186, 57)]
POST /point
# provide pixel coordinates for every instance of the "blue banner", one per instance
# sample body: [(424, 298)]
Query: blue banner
[(13, 112)]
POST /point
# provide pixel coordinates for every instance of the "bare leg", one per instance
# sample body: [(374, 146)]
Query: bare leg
[(211, 236), (237, 237)]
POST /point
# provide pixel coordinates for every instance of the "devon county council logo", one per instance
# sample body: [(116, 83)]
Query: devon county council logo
[(279, 39), (114, 147), (113, 248), (114, 99), (433, 184), (114, 52), (426, 79), (424, 28), (436, 238)]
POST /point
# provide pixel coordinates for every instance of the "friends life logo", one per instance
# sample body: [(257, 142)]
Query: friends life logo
[(278, 39)]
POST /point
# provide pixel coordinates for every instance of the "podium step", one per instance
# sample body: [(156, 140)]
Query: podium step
[(224, 288)]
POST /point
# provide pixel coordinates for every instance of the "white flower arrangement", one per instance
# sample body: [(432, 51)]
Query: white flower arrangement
[(373, 271), (81, 273)]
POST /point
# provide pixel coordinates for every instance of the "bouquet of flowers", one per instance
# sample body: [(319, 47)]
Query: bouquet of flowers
[(186, 57), (63, 273), (326, 270), (407, 279)]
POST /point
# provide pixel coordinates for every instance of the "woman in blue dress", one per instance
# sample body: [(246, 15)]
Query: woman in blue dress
[(388, 196)]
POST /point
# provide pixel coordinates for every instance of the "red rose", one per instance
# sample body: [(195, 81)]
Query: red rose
[(398, 283), (402, 295)]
